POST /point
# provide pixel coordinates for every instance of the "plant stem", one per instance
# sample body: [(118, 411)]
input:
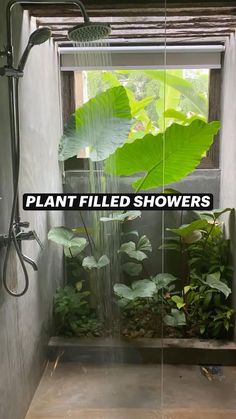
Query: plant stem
[(90, 239)]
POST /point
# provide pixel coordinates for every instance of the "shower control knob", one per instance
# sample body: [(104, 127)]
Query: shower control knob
[(23, 224), (11, 72)]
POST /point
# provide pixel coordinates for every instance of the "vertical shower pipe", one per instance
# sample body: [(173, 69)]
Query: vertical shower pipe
[(13, 84), (13, 87)]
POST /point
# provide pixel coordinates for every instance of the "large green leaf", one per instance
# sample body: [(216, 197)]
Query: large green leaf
[(174, 154), (187, 229), (91, 263), (212, 215), (144, 244), (130, 249), (102, 124), (163, 280), (73, 245), (139, 289), (181, 117), (137, 251), (173, 114), (213, 280)]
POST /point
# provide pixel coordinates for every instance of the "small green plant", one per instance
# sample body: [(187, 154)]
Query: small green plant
[(143, 305), (73, 315), (132, 252)]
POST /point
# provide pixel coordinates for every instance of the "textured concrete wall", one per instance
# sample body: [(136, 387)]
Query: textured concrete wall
[(25, 322), (228, 141), (151, 224)]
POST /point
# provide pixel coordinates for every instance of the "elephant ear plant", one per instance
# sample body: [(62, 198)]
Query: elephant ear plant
[(74, 246), (176, 153), (102, 124)]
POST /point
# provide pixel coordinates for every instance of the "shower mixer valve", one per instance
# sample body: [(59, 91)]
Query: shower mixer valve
[(22, 235), (29, 235)]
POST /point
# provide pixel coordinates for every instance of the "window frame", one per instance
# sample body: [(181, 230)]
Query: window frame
[(211, 161)]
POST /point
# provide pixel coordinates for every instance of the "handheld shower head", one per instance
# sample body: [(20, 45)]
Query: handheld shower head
[(40, 36), (89, 31), (37, 37)]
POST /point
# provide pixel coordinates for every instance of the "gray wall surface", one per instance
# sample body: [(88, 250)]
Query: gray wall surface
[(151, 223), (25, 322), (228, 142)]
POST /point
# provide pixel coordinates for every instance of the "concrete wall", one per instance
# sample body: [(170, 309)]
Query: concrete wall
[(201, 181), (25, 322), (228, 142)]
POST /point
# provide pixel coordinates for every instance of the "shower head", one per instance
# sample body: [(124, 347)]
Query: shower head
[(40, 36), (89, 31), (37, 37)]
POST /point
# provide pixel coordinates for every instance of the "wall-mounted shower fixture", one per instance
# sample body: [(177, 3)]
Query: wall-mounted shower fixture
[(85, 32), (38, 37)]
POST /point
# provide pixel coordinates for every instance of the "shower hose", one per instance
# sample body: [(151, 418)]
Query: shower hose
[(13, 225)]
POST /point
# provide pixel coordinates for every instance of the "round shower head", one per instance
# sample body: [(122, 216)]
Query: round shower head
[(40, 36), (89, 31)]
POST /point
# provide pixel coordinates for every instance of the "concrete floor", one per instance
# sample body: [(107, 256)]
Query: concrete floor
[(74, 391)]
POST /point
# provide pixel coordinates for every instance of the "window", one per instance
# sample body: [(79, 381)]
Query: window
[(184, 93)]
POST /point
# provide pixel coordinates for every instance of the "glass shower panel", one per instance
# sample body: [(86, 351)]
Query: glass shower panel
[(198, 320), (119, 351)]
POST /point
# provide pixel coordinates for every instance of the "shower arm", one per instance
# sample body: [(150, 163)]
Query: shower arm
[(12, 3)]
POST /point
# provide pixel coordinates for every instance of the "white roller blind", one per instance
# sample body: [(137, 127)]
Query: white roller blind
[(204, 56)]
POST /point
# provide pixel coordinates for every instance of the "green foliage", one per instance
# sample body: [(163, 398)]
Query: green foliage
[(72, 314), (163, 281), (197, 304), (184, 147), (139, 289), (102, 124), (179, 301), (91, 263), (132, 251), (187, 229), (145, 288), (175, 319), (136, 251), (184, 91), (207, 275), (142, 305), (184, 87), (212, 215), (132, 268), (73, 244), (214, 281)]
